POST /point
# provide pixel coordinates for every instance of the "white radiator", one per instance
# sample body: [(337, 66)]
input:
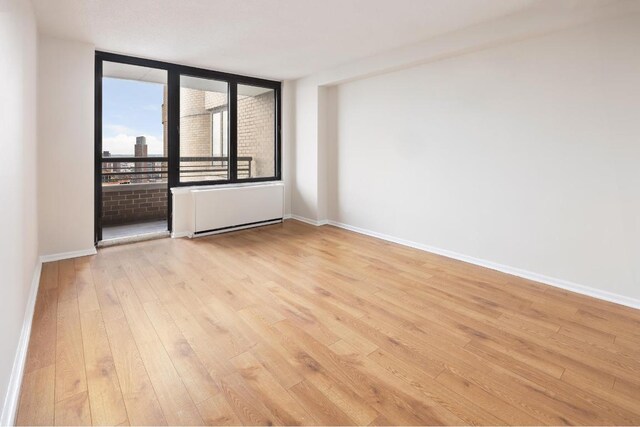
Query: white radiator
[(220, 209)]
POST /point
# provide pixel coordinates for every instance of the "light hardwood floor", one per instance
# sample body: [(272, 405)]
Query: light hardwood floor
[(293, 324)]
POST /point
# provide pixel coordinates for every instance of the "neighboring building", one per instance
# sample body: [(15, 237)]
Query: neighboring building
[(109, 168), (140, 149), (106, 166)]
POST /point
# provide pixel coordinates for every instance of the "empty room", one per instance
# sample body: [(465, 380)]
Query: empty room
[(320, 212)]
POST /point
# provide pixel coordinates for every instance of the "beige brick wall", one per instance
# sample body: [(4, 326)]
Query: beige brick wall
[(256, 127), (195, 124), (214, 100), (256, 132)]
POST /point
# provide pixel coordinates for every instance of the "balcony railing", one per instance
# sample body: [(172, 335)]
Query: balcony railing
[(212, 168), (136, 170), (132, 170)]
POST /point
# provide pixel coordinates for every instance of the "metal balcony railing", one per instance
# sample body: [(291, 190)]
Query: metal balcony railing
[(134, 170), (207, 168), (138, 170)]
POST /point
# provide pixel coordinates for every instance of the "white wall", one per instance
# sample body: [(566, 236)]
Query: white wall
[(525, 155), (288, 138), (18, 214), (304, 197), (65, 145)]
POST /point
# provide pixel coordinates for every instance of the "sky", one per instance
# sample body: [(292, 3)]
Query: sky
[(131, 108)]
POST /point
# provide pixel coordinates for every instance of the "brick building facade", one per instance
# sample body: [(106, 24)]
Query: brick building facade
[(256, 127), (256, 132)]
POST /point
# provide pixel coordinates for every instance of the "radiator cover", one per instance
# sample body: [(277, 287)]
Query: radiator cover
[(226, 208)]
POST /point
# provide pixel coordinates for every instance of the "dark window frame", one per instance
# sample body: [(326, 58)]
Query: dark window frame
[(174, 71)]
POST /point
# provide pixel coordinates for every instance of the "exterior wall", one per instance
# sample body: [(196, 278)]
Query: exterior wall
[(256, 127), (256, 130), (214, 100), (195, 124), (122, 204)]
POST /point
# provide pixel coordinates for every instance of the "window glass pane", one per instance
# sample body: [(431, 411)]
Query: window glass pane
[(204, 152), (256, 132)]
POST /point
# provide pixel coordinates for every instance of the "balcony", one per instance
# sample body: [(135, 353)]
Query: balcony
[(138, 170), (134, 190)]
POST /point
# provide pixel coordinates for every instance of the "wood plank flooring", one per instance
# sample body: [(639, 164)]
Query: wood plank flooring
[(296, 325)]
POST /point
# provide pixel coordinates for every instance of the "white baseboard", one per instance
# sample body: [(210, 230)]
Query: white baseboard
[(10, 407), (308, 220), (552, 281), (67, 255), (179, 234)]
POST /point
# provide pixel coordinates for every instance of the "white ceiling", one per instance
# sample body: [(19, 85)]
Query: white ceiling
[(278, 39), (118, 70), (133, 72)]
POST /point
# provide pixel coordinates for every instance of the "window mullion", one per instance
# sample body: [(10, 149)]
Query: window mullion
[(233, 131), (173, 117)]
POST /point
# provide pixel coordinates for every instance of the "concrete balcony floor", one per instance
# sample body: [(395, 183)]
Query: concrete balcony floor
[(132, 230)]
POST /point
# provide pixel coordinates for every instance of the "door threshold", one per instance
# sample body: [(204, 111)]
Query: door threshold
[(133, 239)]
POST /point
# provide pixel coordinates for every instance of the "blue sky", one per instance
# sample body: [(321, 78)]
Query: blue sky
[(129, 109)]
